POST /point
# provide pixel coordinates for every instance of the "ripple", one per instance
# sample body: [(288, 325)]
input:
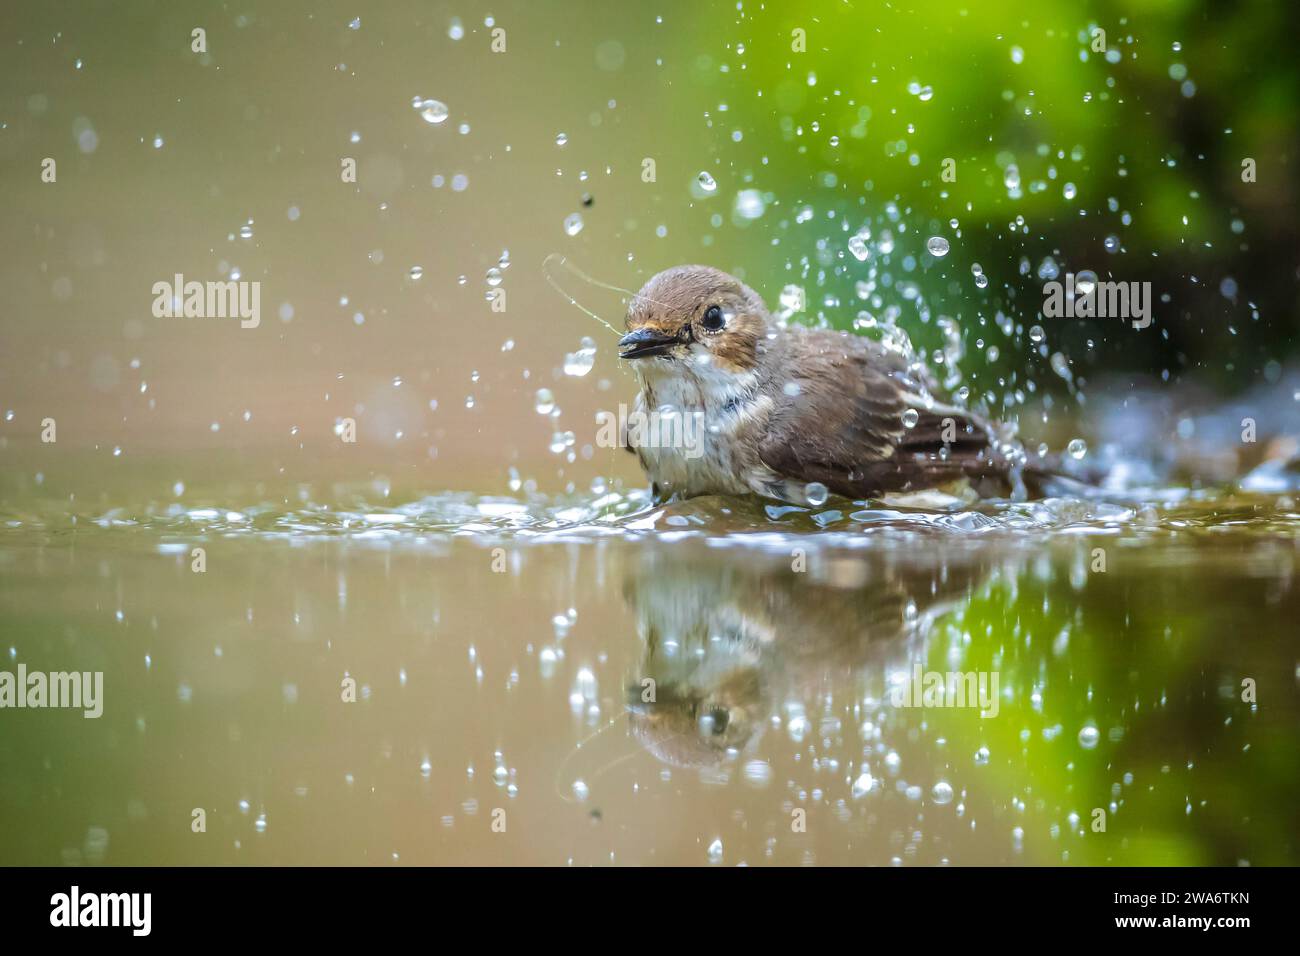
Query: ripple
[(1169, 515)]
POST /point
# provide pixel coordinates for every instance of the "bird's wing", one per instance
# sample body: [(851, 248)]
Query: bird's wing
[(842, 421)]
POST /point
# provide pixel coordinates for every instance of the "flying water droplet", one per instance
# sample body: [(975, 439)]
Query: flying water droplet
[(579, 363), (938, 246), (862, 786), (792, 298), (431, 111), (715, 851), (1077, 449), (749, 204), (707, 182)]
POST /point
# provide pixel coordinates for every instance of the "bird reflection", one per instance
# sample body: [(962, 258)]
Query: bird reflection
[(725, 642)]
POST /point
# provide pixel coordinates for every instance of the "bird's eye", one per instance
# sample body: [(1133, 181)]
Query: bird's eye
[(715, 721), (713, 320)]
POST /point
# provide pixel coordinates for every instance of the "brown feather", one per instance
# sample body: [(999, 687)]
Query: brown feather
[(844, 427)]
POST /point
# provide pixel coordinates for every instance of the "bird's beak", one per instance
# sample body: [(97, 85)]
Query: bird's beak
[(645, 342)]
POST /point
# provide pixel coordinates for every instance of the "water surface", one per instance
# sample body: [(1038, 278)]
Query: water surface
[(504, 650)]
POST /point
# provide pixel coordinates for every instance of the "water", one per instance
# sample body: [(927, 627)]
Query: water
[(769, 639)]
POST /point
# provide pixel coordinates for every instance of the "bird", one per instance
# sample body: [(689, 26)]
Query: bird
[(788, 412), (724, 645)]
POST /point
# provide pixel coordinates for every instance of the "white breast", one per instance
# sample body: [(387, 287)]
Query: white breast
[(715, 407)]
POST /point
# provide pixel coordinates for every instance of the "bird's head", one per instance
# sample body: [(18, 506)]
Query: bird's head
[(690, 726), (695, 315)]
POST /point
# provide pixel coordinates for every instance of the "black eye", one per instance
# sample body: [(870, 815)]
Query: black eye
[(712, 320), (716, 721)]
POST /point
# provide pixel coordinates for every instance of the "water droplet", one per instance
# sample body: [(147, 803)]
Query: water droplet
[(816, 493), (938, 246), (941, 792), (1011, 177), (792, 298), (1085, 282), (715, 851), (749, 204), (1061, 366), (1089, 735), (1036, 334), (862, 786), (982, 757), (1111, 243), (981, 280), (561, 139), (417, 273), (858, 246), (1077, 448), (494, 277), (1069, 191), (572, 224), (707, 182), (431, 111), (910, 417), (579, 363), (545, 401), (1048, 269)]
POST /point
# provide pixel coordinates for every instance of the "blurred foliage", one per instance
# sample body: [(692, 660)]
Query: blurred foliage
[(1174, 764), (1151, 133)]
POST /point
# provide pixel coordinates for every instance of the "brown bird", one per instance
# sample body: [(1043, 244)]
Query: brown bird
[(737, 403), (726, 644)]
